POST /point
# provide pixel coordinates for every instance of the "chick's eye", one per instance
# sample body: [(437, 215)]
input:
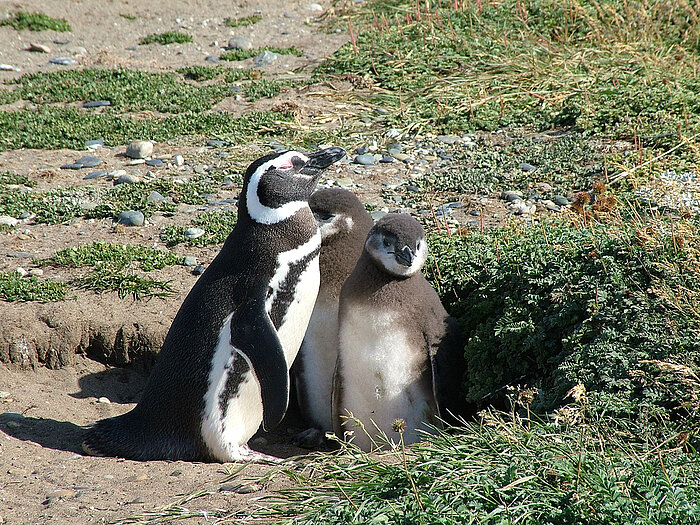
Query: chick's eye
[(386, 242)]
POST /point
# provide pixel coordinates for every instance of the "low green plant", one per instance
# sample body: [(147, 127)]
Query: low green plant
[(36, 22), (127, 16), (13, 179), (242, 21), (216, 225), (164, 39), (501, 470), (14, 287), (264, 88), (104, 278), (200, 73), (242, 54)]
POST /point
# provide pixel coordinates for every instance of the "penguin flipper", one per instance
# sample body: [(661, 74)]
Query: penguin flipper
[(254, 335)]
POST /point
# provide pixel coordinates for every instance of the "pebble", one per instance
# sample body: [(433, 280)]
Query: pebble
[(402, 157), (21, 255), (560, 200), (8, 67), (135, 162), (345, 182), (511, 196), (179, 160), (139, 149), (155, 197), (551, 206), (527, 167), (7, 220), (240, 42), (217, 143), (138, 477), (214, 59), (198, 270), (95, 175), (387, 159), (449, 139), (39, 48), (366, 159), (154, 163), (189, 260), (362, 150), (25, 215), (176, 473), (194, 233), (265, 58), (126, 178), (378, 214), (131, 218), (36, 272), (104, 401), (63, 61), (96, 103), (21, 271), (89, 161), (95, 143)]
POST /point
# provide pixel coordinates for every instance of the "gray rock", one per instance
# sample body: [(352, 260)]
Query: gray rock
[(21, 255), (94, 143), (402, 157), (131, 218), (95, 175), (560, 200), (378, 214), (511, 196), (449, 139), (194, 233), (475, 213), (96, 103), (217, 143), (362, 150), (25, 215), (63, 61), (89, 161), (366, 160), (8, 67), (387, 159), (155, 197), (551, 206), (154, 163), (198, 270), (214, 59), (126, 178), (39, 48), (527, 167), (189, 260), (179, 160), (265, 58), (8, 221), (240, 42), (139, 149), (73, 166)]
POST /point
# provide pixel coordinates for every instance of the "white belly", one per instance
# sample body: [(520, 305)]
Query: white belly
[(319, 352), (381, 378)]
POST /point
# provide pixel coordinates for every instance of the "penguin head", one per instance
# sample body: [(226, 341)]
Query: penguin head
[(278, 185), (397, 245), (335, 210)]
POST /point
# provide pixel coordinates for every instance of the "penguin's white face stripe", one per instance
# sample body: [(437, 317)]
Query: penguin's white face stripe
[(264, 214), (328, 229), (285, 260)]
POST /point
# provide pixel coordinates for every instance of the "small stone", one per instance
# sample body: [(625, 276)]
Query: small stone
[(198, 270), (20, 271), (95, 175), (551, 206), (131, 218), (511, 196), (104, 401), (449, 139), (8, 221), (116, 174), (387, 159), (179, 160), (194, 233), (63, 61), (240, 42), (378, 214), (250, 488), (8, 67), (25, 215), (137, 500), (96, 103), (126, 178), (315, 7), (62, 494), (89, 161), (345, 182), (366, 160), (265, 58), (402, 157), (155, 197), (138, 477), (474, 213), (139, 149), (36, 272), (214, 59), (217, 143), (176, 473), (94, 143), (39, 48), (135, 162), (189, 260), (154, 163), (361, 150), (21, 255), (527, 167), (543, 187), (430, 158), (560, 200)]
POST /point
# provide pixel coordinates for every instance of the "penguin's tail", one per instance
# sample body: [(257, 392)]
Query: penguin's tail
[(124, 437)]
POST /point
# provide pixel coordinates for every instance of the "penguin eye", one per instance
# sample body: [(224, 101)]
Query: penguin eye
[(386, 242), (323, 216)]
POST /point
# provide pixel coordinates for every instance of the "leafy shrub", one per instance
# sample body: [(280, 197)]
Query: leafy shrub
[(36, 22), (611, 305), (169, 37)]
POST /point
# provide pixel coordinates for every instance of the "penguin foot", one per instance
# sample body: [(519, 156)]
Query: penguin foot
[(311, 438), (248, 454)]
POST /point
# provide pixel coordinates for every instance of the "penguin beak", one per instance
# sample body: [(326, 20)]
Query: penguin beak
[(320, 160), (404, 256)]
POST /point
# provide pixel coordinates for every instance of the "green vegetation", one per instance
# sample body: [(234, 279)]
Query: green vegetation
[(241, 54), (127, 16), (36, 22), (57, 127), (14, 287), (264, 88), (8, 179), (503, 470), (117, 268), (164, 39), (200, 73), (242, 21), (610, 303), (621, 68), (216, 226)]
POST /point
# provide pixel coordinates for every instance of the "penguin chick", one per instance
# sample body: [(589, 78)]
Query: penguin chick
[(399, 352), (224, 365), (344, 224)]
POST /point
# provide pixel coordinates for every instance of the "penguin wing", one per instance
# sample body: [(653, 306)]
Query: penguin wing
[(254, 335), (448, 367)]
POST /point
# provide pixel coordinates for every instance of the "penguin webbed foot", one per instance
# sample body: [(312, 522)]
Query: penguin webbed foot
[(312, 439)]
